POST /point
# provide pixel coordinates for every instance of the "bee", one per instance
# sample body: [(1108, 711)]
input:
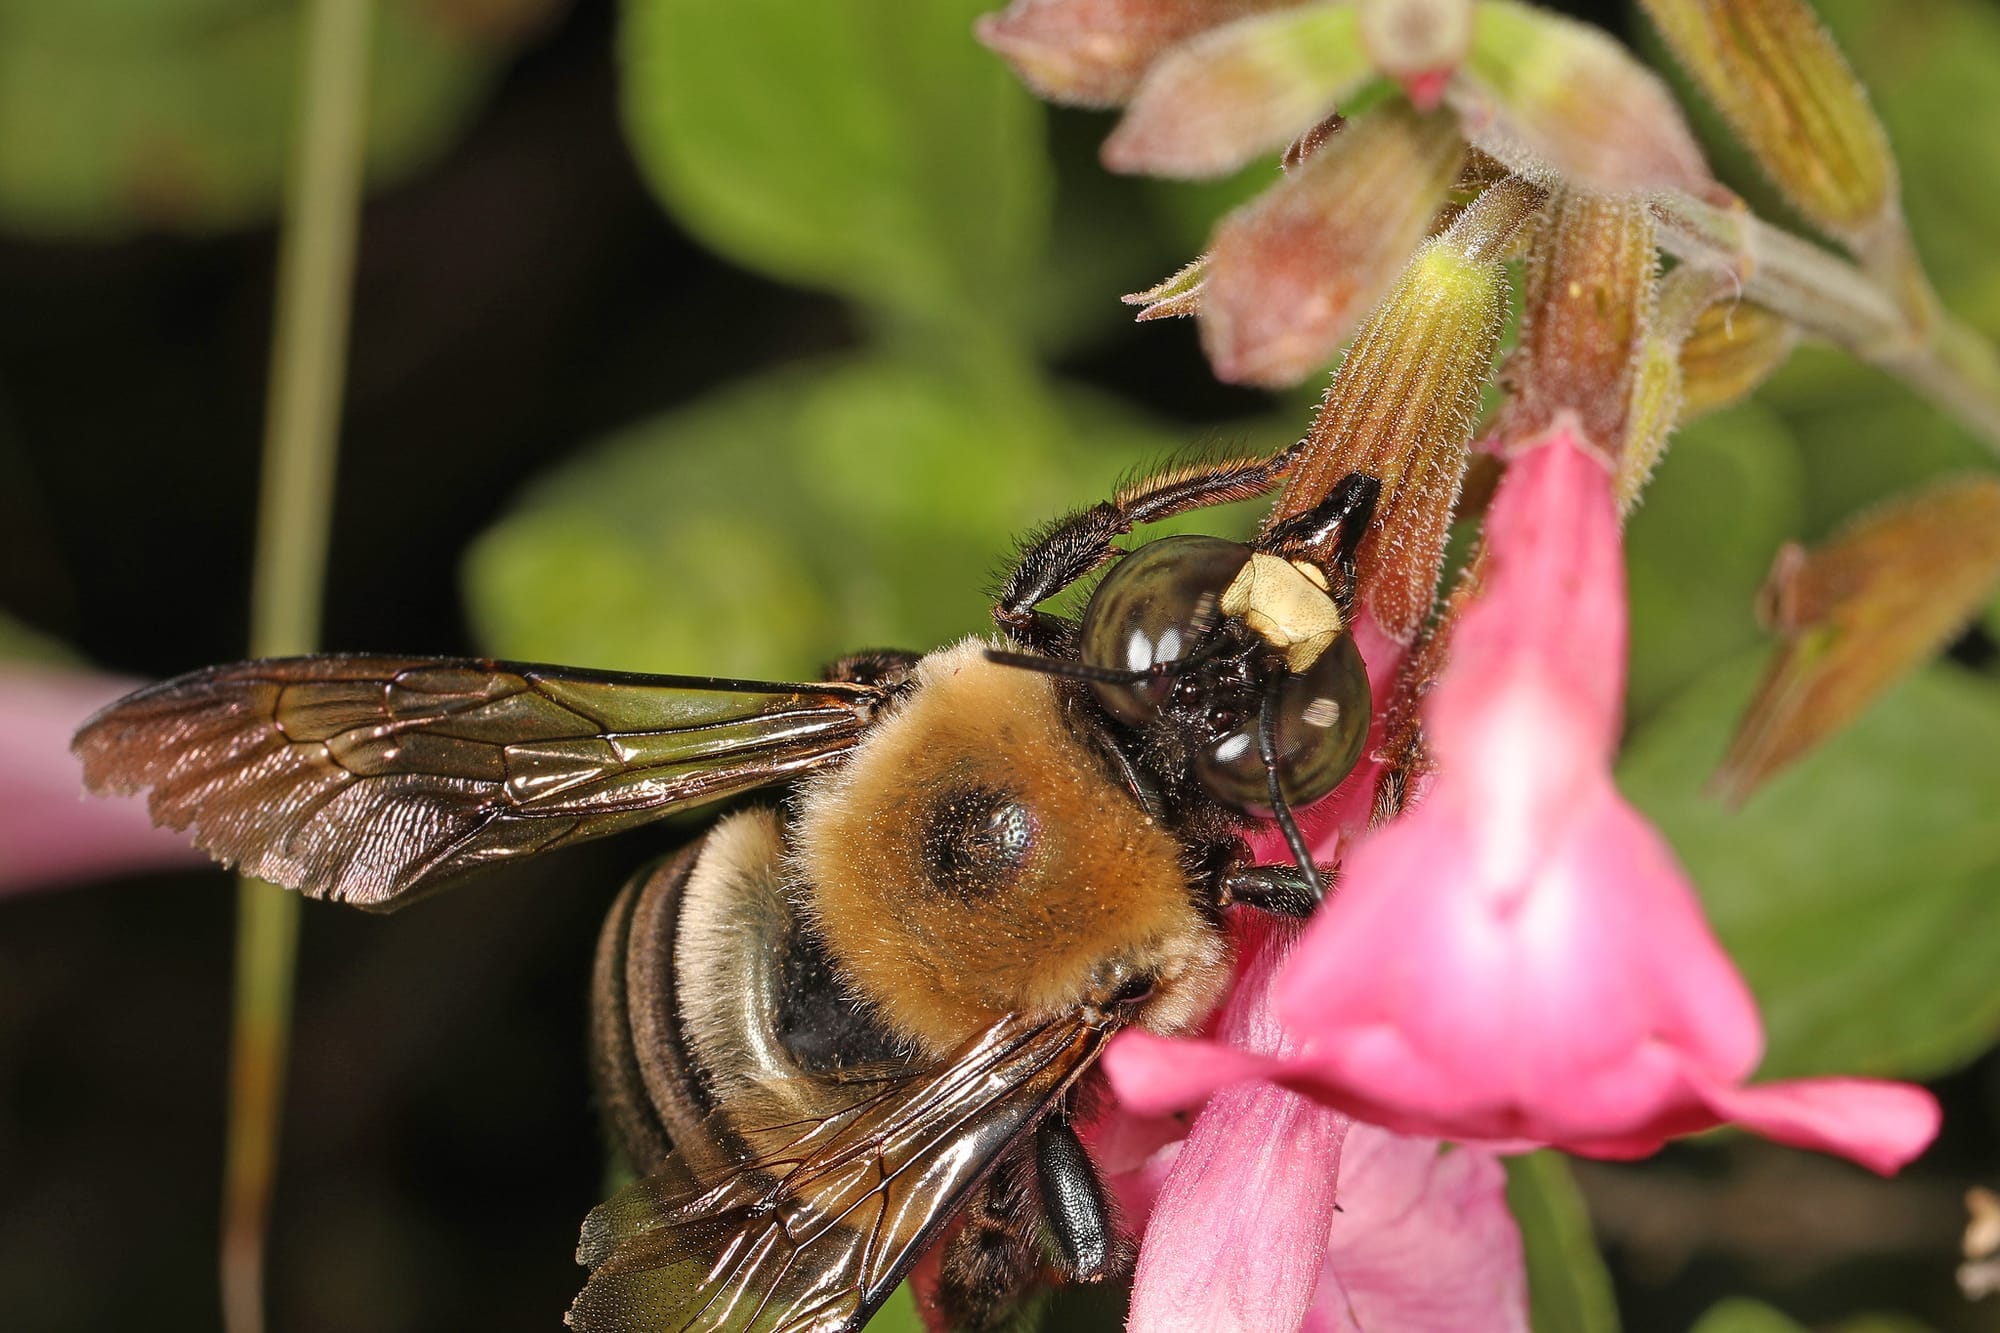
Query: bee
[(854, 1018)]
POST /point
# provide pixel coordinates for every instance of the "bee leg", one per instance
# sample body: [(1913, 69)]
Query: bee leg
[(1280, 890), (1072, 547), (1333, 528), (1087, 1248), (877, 666), (990, 1262)]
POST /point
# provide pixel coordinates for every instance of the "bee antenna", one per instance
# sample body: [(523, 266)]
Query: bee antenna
[(1062, 666), (1281, 810)]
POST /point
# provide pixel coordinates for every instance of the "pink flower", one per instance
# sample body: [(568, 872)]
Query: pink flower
[(49, 832), (1241, 1230), (1520, 959)]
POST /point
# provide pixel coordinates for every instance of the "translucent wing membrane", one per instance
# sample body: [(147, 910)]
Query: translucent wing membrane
[(369, 779), (826, 1215)]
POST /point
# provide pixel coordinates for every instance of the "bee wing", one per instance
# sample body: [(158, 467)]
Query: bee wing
[(814, 1230), (367, 779)]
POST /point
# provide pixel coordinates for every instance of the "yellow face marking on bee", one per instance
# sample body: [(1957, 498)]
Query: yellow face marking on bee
[(1281, 600)]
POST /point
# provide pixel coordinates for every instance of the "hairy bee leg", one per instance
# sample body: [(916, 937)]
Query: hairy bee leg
[(1279, 890), (1339, 521), (887, 667), (991, 1262), (1073, 1199), (1072, 547)]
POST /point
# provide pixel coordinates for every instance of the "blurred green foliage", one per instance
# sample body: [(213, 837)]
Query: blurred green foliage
[(1741, 1316), (177, 114), (1569, 1290), (877, 151)]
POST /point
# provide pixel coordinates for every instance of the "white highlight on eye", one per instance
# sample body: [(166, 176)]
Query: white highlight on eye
[(1321, 712), (1234, 748)]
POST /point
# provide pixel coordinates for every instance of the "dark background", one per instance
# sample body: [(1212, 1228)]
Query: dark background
[(523, 296)]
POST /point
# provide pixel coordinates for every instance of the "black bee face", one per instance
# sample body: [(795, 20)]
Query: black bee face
[(1220, 642)]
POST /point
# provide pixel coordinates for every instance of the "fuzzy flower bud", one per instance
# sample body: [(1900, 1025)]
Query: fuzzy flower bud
[(1212, 104), (1092, 52), (1418, 43), (1773, 71), (1859, 613), (1546, 93), (1403, 403), (1293, 271), (1734, 347), (1584, 319)]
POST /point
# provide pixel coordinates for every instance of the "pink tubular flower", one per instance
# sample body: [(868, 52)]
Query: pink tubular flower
[(49, 833), (1520, 959)]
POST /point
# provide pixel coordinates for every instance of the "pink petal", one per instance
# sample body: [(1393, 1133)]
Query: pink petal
[(1881, 1125), (1093, 52), (50, 832), (1237, 1236), (1424, 1241)]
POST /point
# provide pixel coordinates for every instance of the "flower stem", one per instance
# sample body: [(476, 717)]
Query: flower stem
[(1890, 322), (301, 431)]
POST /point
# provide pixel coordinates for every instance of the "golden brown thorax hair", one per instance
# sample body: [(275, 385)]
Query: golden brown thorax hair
[(973, 858)]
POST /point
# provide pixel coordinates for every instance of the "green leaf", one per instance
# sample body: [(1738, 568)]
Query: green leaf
[(1569, 1289), (898, 1314), (21, 644), (1861, 436), (114, 122), (875, 150), (865, 503), (1726, 496), (1859, 891), (1739, 1315), (1931, 83)]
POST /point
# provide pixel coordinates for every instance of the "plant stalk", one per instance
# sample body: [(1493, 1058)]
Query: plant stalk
[(294, 513), (1886, 322)]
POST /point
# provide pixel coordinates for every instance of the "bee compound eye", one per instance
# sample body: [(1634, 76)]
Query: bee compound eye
[(1323, 716), (1156, 606)]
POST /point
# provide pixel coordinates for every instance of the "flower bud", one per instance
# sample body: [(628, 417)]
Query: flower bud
[(1651, 414), (1402, 406), (1773, 71), (1418, 43), (1092, 52), (1212, 104), (1857, 614), (1584, 318), (1734, 347), (1545, 93), (1293, 271)]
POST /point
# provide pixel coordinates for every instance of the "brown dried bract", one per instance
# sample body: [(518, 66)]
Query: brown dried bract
[(1861, 612)]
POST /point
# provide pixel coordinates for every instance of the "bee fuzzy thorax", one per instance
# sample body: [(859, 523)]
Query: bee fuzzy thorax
[(973, 858)]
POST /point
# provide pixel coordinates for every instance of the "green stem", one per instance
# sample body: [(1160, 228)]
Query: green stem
[(301, 432), (1891, 323)]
